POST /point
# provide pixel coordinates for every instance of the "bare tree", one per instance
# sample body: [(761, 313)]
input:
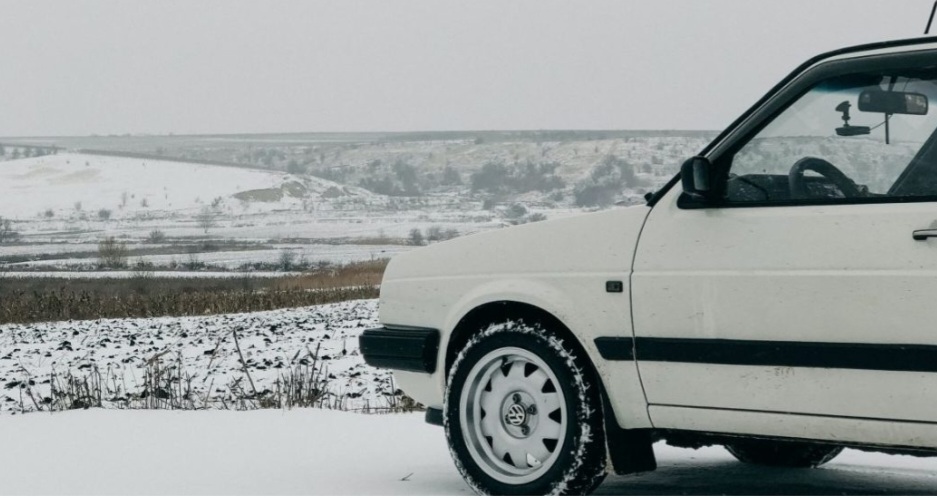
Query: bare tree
[(205, 219), (111, 253), (416, 237), (6, 231)]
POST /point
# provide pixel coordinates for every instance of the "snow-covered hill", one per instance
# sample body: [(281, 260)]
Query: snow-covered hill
[(69, 185)]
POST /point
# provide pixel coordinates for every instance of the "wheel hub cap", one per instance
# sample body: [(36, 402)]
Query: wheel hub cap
[(513, 415), (516, 415)]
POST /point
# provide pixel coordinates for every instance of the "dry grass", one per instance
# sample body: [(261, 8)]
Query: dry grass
[(148, 295), (366, 273), (169, 385)]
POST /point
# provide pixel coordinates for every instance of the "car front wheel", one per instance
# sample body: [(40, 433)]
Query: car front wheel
[(523, 415)]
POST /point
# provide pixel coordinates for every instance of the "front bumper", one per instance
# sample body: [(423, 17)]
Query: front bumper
[(412, 349)]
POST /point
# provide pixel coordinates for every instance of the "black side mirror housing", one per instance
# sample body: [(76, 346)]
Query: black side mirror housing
[(698, 177)]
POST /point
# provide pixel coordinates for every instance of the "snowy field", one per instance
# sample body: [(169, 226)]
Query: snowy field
[(299, 451), (136, 274), (320, 452), (177, 215), (65, 204), (232, 260), (122, 353)]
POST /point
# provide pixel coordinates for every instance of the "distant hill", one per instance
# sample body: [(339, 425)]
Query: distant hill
[(69, 185)]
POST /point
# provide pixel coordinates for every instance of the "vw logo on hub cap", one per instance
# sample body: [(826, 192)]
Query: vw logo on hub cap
[(516, 415)]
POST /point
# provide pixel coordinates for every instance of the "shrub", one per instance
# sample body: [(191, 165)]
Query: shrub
[(608, 179), (434, 233), (193, 262), (287, 259), (104, 214), (516, 211), (498, 178), (112, 253), (401, 180), (156, 236), (450, 176), (416, 237), (294, 168), (6, 231)]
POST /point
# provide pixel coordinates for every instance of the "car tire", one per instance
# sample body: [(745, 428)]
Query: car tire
[(517, 392), (782, 453)]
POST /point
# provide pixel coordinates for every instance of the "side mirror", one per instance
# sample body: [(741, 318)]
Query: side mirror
[(697, 177)]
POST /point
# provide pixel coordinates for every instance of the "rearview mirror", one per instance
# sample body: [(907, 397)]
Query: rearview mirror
[(893, 102), (697, 177)]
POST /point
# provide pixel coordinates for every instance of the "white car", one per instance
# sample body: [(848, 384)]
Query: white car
[(780, 300)]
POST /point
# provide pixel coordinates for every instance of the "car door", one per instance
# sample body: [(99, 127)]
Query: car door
[(818, 304)]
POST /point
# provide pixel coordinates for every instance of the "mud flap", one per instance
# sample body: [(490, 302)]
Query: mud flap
[(629, 450)]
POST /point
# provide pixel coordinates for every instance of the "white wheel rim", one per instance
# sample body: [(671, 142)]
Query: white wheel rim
[(513, 415)]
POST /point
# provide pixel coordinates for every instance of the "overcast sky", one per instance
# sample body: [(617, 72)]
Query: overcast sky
[(76, 67)]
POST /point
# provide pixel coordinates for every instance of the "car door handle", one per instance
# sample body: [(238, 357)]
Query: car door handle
[(924, 234)]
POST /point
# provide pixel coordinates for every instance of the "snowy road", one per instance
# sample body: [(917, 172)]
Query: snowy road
[(327, 452)]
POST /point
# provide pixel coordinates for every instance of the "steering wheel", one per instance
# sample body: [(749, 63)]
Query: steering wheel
[(825, 169)]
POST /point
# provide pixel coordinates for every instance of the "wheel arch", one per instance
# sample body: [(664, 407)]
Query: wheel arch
[(499, 311), (629, 451)]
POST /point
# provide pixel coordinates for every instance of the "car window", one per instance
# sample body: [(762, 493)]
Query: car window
[(829, 145)]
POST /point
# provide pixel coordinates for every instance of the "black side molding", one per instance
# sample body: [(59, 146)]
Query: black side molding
[(615, 348), (413, 349), (853, 356)]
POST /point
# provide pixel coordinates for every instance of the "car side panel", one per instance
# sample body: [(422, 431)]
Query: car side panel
[(566, 280), (835, 277)]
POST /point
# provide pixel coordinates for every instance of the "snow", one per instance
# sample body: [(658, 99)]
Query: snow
[(303, 451), (122, 350), (313, 253), (155, 274), (235, 453), (317, 452), (57, 182)]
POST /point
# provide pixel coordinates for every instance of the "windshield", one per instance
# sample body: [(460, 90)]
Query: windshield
[(872, 148)]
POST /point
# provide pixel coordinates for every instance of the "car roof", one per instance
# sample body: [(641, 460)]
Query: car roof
[(883, 47), (876, 48)]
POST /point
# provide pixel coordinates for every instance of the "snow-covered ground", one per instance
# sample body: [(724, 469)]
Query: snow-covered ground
[(200, 350), (319, 452), (313, 253), (136, 274), (67, 203), (127, 186)]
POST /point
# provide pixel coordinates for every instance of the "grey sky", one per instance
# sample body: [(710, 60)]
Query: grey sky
[(81, 67)]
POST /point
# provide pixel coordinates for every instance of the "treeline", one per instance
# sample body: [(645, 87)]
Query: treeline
[(18, 151), (604, 185), (517, 178), (606, 182), (398, 179)]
